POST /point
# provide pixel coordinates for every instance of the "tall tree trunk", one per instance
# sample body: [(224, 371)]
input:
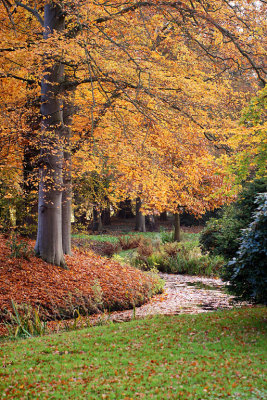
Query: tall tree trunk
[(49, 237), (68, 111), (97, 221), (177, 228), (140, 221)]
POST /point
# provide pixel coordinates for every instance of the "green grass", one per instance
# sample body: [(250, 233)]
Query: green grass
[(99, 238), (114, 238), (219, 355), (186, 237), (190, 237)]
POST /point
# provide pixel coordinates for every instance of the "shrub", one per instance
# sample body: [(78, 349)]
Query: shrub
[(222, 236), (19, 249), (99, 247), (166, 236), (108, 248), (129, 242), (145, 247), (171, 249), (25, 321), (246, 273), (180, 258)]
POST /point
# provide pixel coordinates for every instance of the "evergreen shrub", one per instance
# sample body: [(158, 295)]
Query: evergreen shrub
[(222, 236), (247, 272)]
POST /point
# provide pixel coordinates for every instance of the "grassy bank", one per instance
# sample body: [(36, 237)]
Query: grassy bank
[(211, 356)]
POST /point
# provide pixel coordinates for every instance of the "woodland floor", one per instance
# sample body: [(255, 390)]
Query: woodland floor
[(98, 284)]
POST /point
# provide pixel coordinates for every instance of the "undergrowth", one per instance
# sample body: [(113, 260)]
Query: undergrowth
[(178, 258), (184, 257), (19, 248), (25, 321), (158, 250)]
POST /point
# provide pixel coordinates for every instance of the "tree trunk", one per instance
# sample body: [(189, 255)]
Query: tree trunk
[(49, 237), (97, 221), (140, 222), (68, 111), (177, 228)]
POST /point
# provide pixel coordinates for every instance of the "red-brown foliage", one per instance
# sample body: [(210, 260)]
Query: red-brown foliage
[(129, 242), (58, 292)]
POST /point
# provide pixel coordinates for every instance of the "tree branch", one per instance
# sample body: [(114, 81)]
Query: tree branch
[(8, 75), (33, 11)]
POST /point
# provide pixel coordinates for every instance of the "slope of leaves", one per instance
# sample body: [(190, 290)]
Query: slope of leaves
[(91, 283)]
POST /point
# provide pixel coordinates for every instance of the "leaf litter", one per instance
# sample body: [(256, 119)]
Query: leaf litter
[(91, 284)]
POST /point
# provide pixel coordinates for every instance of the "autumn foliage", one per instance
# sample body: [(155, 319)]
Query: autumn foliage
[(145, 94)]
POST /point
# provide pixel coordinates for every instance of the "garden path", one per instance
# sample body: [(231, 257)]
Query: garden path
[(183, 294)]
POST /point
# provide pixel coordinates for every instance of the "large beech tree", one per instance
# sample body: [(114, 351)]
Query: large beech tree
[(49, 244), (131, 81)]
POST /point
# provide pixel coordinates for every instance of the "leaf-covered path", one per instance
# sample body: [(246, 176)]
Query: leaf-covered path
[(183, 294)]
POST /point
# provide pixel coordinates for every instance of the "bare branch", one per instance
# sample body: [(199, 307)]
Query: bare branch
[(8, 75), (33, 11), (12, 49)]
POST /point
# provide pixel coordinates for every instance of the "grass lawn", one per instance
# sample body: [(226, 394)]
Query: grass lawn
[(218, 355), (114, 238), (99, 238), (186, 236)]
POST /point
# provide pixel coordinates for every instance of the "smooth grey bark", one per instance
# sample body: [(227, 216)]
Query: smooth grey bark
[(68, 111), (177, 228), (49, 237), (140, 221)]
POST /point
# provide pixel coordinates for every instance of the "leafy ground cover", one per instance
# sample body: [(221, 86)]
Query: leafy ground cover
[(220, 355), (91, 283)]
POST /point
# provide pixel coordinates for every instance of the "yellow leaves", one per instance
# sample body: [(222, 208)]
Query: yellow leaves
[(152, 102), (218, 38)]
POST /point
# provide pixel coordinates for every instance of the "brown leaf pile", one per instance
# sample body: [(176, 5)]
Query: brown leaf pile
[(91, 283)]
